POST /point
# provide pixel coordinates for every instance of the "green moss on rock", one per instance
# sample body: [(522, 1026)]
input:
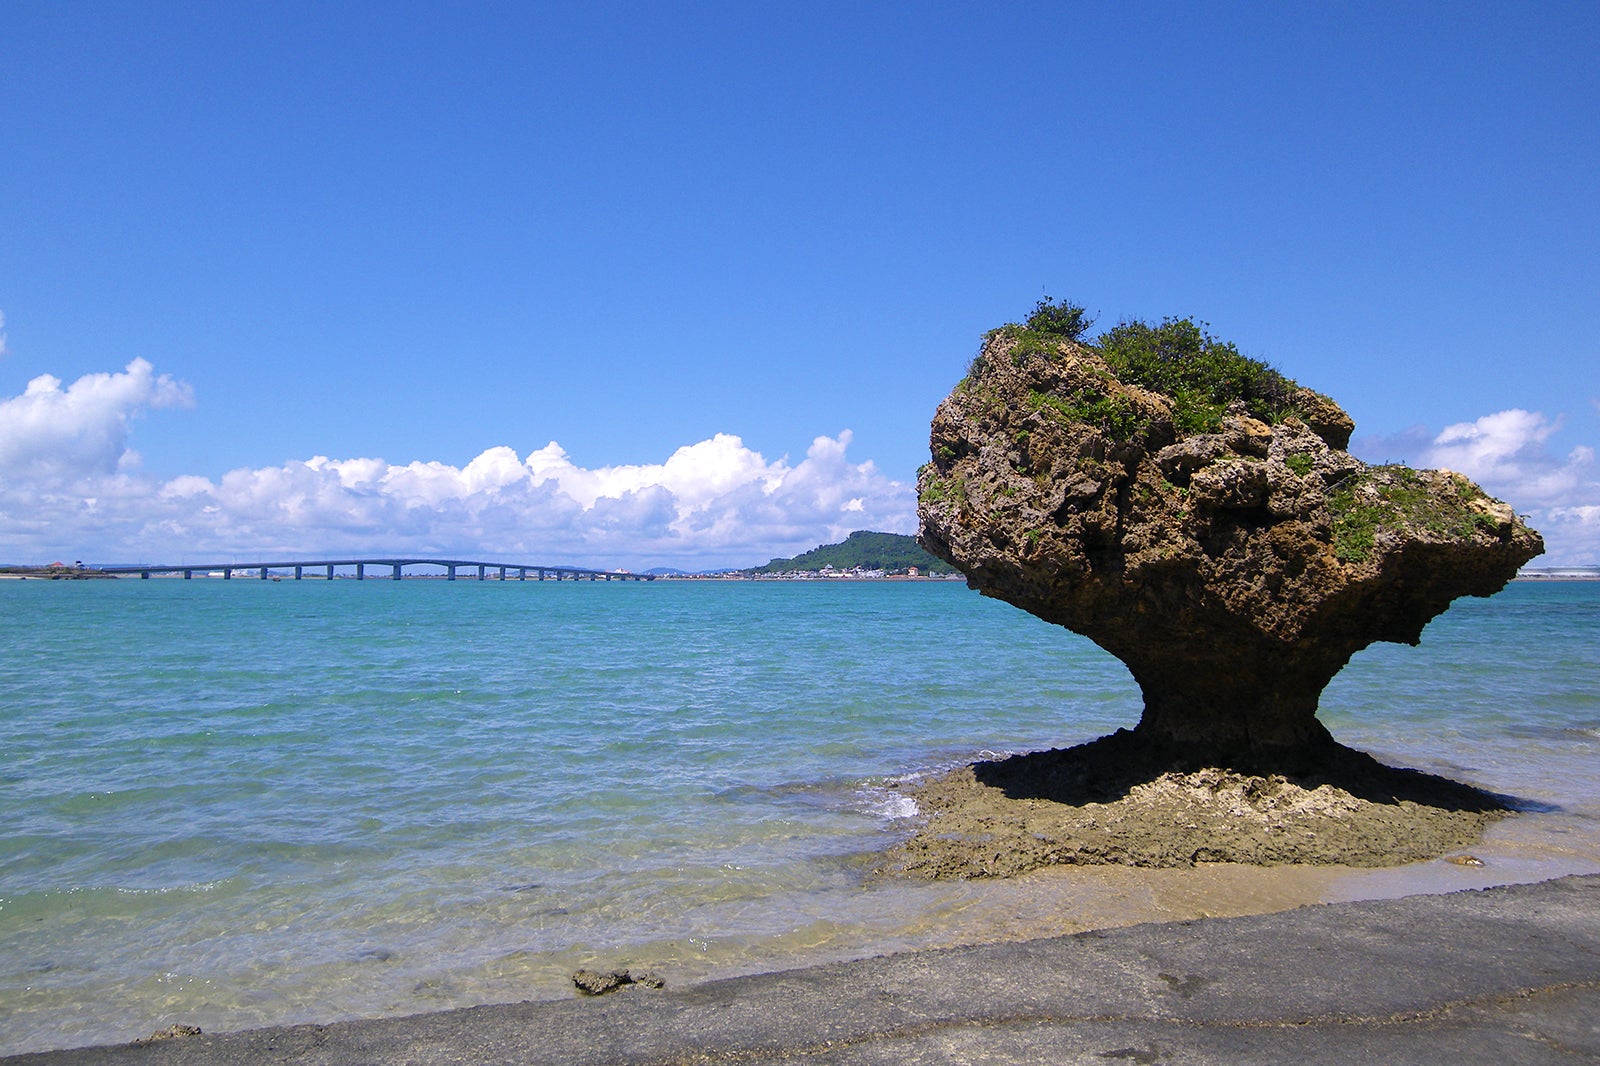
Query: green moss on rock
[(1406, 502)]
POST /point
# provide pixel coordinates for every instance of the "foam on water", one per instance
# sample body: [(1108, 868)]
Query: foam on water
[(256, 803), (886, 803)]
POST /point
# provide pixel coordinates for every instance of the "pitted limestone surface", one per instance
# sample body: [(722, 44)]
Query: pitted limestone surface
[(1234, 568)]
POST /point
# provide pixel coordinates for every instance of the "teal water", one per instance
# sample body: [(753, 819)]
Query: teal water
[(244, 803)]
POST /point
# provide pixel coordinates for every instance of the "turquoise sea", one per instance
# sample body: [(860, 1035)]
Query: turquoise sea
[(242, 803)]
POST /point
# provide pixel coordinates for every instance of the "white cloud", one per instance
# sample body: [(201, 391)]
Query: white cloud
[(82, 430), (1508, 454), (4, 351), (69, 483), (1571, 534)]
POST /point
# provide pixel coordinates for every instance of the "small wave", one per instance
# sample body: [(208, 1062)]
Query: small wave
[(166, 890), (886, 803)]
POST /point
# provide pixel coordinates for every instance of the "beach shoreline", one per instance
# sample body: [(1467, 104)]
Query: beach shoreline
[(994, 914), (1418, 979)]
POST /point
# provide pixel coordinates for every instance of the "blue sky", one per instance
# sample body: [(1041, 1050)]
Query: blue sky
[(347, 271)]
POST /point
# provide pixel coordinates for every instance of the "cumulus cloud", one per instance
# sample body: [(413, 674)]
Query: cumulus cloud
[(68, 484), (1509, 454), (82, 430)]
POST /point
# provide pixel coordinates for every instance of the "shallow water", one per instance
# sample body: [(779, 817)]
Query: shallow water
[(243, 803)]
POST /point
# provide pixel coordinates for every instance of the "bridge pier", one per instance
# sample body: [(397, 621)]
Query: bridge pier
[(227, 573), (480, 571), (502, 573), (397, 571), (297, 572), (330, 571), (361, 571), (263, 573), (144, 575), (450, 573)]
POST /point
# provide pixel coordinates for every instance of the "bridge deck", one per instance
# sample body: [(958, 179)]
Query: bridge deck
[(395, 565)]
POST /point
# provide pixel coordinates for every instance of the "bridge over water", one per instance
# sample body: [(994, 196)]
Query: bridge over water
[(303, 567)]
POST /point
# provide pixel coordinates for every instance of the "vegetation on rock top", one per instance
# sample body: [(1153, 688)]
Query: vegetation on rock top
[(1178, 359)]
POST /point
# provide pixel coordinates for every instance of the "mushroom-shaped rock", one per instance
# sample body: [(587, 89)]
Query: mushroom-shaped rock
[(1195, 513)]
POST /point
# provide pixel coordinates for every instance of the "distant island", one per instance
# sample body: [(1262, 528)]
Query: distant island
[(862, 553)]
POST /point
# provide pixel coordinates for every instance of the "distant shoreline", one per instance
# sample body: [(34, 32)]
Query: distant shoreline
[(86, 574), (811, 576), (1557, 577), (48, 573)]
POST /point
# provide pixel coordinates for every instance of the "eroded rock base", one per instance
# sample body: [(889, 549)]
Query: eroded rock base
[(1117, 801)]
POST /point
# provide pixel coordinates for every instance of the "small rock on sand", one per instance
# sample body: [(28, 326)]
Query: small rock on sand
[(599, 982)]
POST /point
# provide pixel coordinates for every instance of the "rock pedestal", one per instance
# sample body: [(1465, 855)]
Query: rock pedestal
[(1235, 567)]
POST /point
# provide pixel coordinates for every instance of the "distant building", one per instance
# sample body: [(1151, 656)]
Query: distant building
[(1561, 573)]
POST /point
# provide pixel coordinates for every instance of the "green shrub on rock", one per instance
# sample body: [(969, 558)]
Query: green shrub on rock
[(1200, 374)]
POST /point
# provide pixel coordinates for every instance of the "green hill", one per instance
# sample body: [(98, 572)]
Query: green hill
[(870, 551)]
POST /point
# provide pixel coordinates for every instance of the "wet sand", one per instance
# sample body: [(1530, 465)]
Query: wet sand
[(1507, 975)]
